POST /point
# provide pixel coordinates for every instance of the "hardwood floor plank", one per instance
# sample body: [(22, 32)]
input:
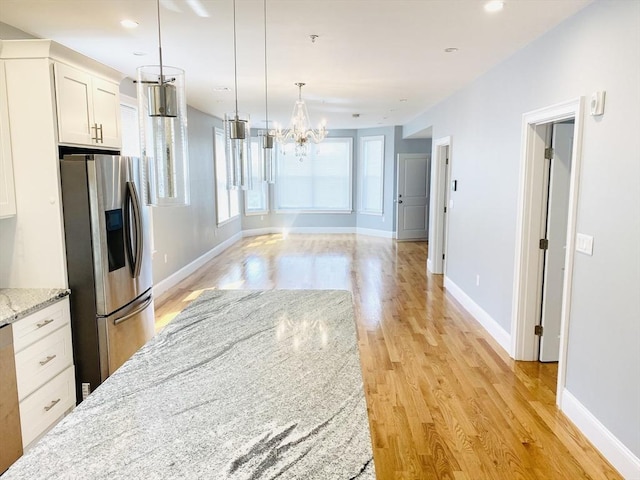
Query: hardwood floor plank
[(445, 401)]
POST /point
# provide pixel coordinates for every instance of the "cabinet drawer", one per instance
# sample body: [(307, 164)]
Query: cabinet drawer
[(40, 324), (45, 406), (41, 361)]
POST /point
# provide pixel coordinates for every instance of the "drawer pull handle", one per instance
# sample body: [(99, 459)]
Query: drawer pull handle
[(45, 323), (47, 360), (51, 405)]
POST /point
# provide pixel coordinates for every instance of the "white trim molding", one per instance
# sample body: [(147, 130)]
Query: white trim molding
[(484, 319), (606, 442), (527, 260), (435, 263), (176, 277), (371, 232)]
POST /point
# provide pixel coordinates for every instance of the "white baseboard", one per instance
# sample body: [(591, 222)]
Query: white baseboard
[(176, 277), (489, 324), (372, 232), (606, 442), (319, 230), (429, 265)]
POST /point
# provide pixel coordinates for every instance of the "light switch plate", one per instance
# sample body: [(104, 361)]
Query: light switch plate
[(584, 244)]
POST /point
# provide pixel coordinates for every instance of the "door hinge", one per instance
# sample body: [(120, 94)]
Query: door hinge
[(548, 153), (544, 244), (447, 161), (538, 330), (443, 256), (445, 209)]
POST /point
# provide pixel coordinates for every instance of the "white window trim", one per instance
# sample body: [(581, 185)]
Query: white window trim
[(361, 160), (278, 209), (219, 223), (265, 186)]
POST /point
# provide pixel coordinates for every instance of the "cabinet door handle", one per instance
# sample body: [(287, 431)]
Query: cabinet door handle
[(101, 135), (95, 129), (47, 360), (45, 323), (51, 405)]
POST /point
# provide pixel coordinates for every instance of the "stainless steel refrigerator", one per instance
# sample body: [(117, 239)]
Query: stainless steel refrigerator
[(108, 261)]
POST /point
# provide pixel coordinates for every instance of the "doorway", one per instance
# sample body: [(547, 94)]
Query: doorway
[(546, 207), (412, 201), (440, 206), (553, 235)]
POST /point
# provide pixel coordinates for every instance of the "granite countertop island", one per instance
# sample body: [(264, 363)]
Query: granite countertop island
[(16, 303), (241, 385)]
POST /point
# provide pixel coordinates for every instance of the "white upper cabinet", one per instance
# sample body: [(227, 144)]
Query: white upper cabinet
[(88, 108), (7, 188)]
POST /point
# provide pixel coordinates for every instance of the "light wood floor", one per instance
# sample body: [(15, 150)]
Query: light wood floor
[(444, 400)]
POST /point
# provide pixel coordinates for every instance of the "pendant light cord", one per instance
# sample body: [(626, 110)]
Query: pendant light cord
[(160, 44), (235, 56), (266, 82)]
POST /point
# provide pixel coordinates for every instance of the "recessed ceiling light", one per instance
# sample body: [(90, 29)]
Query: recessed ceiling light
[(139, 54), (221, 88), (450, 49), (494, 6), (403, 99), (129, 23)]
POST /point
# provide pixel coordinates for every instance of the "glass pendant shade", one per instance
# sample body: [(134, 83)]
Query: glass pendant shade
[(267, 160), (162, 113), (237, 132)]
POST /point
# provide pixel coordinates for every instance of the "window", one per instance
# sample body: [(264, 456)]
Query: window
[(371, 174), (228, 205), (256, 200), (319, 183)]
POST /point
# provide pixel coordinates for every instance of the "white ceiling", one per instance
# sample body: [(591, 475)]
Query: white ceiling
[(370, 54)]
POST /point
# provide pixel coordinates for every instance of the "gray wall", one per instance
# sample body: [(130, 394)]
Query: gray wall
[(186, 233), (597, 49)]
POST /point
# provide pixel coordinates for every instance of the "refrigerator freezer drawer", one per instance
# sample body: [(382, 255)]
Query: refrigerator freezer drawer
[(123, 333)]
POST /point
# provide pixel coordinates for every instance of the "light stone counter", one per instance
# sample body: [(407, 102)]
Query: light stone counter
[(16, 303), (241, 385)]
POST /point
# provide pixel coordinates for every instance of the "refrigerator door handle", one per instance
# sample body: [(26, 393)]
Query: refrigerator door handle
[(132, 202), (129, 315)]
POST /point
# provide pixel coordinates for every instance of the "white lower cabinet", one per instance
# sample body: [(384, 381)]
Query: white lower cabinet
[(44, 369)]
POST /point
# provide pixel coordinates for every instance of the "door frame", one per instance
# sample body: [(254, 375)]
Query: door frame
[(526, 271), (439, 167)]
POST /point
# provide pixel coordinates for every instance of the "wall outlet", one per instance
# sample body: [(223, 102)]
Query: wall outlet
[(166, 257), (477, 280)]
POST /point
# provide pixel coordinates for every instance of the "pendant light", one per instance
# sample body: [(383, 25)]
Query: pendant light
[(237, 131), (162, 113), (265, 137)]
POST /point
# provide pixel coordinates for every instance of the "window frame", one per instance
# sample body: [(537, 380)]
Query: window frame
[(342, 211), (264, 185), (362, 168)]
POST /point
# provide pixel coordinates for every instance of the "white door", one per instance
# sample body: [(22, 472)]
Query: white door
[(447, 204), (412, 212), (556, 235)]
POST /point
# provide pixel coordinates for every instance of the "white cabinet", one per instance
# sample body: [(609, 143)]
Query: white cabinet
[(7, 188), (44, 369), (88, 108)]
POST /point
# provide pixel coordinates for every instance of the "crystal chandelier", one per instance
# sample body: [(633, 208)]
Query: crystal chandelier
[(300, 131)]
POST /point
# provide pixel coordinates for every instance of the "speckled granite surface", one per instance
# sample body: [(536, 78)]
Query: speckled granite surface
[(16, 303), (241, 385)]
